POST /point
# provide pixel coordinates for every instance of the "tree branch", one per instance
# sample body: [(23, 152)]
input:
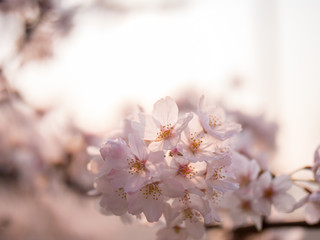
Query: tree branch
[(242, 232)]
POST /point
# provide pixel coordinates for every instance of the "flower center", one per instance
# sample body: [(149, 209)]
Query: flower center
[(185, 199), (136, 166), (190, 215), (186, 171), (222, 150), (246, 205), (217, 197), (214, 121), (195, 142), (244, 180), (165, 132), (121, 193), (177, 229), (151, 190), (218, 174), (268, 193)]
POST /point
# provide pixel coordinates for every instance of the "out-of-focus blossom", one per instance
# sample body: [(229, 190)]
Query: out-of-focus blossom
[(312, 210), (258, 138), (311, 202), (246, 172), (243, 209), (274, 191)]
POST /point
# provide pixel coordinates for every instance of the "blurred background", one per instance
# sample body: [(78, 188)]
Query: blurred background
[(71, 69)]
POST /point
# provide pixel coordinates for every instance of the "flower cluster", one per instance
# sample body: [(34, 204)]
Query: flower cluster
[(258, 191), (182, 170)]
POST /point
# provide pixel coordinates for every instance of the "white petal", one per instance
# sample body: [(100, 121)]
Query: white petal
[(153, 209), (138, 147), (135, 182), (264, 180), (195, 229), (118, 178), (284, 202), (182, 124), (263, 206), (98, 167), (103, 185), (254, 169), (156, 164), (199, 204), (115, 153), (116, 204), (224, 185), (156, 146), (166, 111), (172, 188), (301, 202), (146, 126), (282, 183), (312, 212)]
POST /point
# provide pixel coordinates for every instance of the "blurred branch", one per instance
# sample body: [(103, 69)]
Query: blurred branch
[(243, 232)]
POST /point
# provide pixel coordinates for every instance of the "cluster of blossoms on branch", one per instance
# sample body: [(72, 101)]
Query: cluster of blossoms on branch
[(182, 170)]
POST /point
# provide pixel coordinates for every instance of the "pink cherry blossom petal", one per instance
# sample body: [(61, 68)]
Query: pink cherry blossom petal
[(284, 202), (264, 180), (138, 147), (166, 111), (282, 183)]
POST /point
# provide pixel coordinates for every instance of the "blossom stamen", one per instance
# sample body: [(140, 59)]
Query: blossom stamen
[(217, 197), (152, 190), (165, 132), (185, 199), (121, 193), (189, 214), (214, 121), (218, 174), (195, 142), (135, 166), (186, 171)]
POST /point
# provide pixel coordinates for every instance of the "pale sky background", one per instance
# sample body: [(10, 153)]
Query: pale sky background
[(110, 59)]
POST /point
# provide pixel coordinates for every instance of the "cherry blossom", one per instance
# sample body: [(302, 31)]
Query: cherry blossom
[(185, 170), (274, 191), (195, 145), (148, 200), (219, 177), (114, 200), (132, 167), (246, 172), (162, 128), (243, 209), (213, 120)]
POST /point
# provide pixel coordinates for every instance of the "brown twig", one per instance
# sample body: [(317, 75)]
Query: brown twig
[(243, 232)]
